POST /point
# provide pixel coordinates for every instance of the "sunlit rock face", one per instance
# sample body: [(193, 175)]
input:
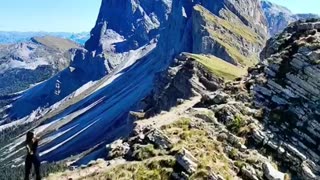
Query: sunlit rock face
[(289, 89)]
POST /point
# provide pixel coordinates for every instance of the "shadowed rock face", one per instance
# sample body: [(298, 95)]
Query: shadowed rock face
[(279, 17), (130, 23)]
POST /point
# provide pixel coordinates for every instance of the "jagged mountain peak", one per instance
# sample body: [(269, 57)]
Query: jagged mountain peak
[(136, 24)]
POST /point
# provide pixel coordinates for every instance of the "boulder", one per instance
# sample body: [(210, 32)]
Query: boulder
[(159, 139), (307, 172), (272, 173), (187, 161), (215, 98), (214, 176), (117, 149), (249, 173)]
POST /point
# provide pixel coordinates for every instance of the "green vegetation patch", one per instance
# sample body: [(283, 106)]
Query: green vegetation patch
[(237, 123), (219, 67), (143, 152), (236, 28), (206, 150), (155, 168)]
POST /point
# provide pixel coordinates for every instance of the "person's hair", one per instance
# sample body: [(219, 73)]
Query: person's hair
[(29, 138)]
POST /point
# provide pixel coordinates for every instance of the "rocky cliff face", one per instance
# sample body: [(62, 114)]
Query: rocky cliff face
[(210, 27), (136, 24), (279, 17), (289, 91), (234, 42)]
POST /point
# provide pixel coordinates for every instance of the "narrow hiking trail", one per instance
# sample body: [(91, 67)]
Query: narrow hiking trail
[(101, 166)]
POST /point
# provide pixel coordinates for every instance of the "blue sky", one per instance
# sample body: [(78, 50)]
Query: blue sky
[(80, 15), (300, 6), (48, 15)]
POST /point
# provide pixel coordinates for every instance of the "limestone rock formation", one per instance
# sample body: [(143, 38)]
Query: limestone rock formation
[(187, 161), (136, 24), (159, 139), (289, 91), (271, 173), (117, 149), (211, 27)]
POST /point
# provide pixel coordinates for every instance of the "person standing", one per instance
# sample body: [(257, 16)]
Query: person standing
[(32, 157)]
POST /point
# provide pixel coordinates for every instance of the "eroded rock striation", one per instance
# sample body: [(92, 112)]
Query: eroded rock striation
[(288, 88)]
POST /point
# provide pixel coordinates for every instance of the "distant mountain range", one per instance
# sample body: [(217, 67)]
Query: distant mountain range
[(27, 63), (11, 37), (279, 17)]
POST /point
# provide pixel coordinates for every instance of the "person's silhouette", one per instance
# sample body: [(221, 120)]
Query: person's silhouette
[(32, 156)]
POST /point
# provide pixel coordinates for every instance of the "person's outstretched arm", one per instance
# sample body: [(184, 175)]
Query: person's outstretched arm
[(36, 138)]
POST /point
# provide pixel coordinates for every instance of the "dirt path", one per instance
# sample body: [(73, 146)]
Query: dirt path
[(170, 117)]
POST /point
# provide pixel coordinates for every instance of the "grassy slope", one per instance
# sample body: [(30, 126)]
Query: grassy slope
[(219, 67), (206, 150), (227, 39)]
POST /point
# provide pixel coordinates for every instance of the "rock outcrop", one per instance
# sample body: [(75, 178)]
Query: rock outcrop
[(184, 79), (117, 149), (288, 88), (187, 161), (271, 173)]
